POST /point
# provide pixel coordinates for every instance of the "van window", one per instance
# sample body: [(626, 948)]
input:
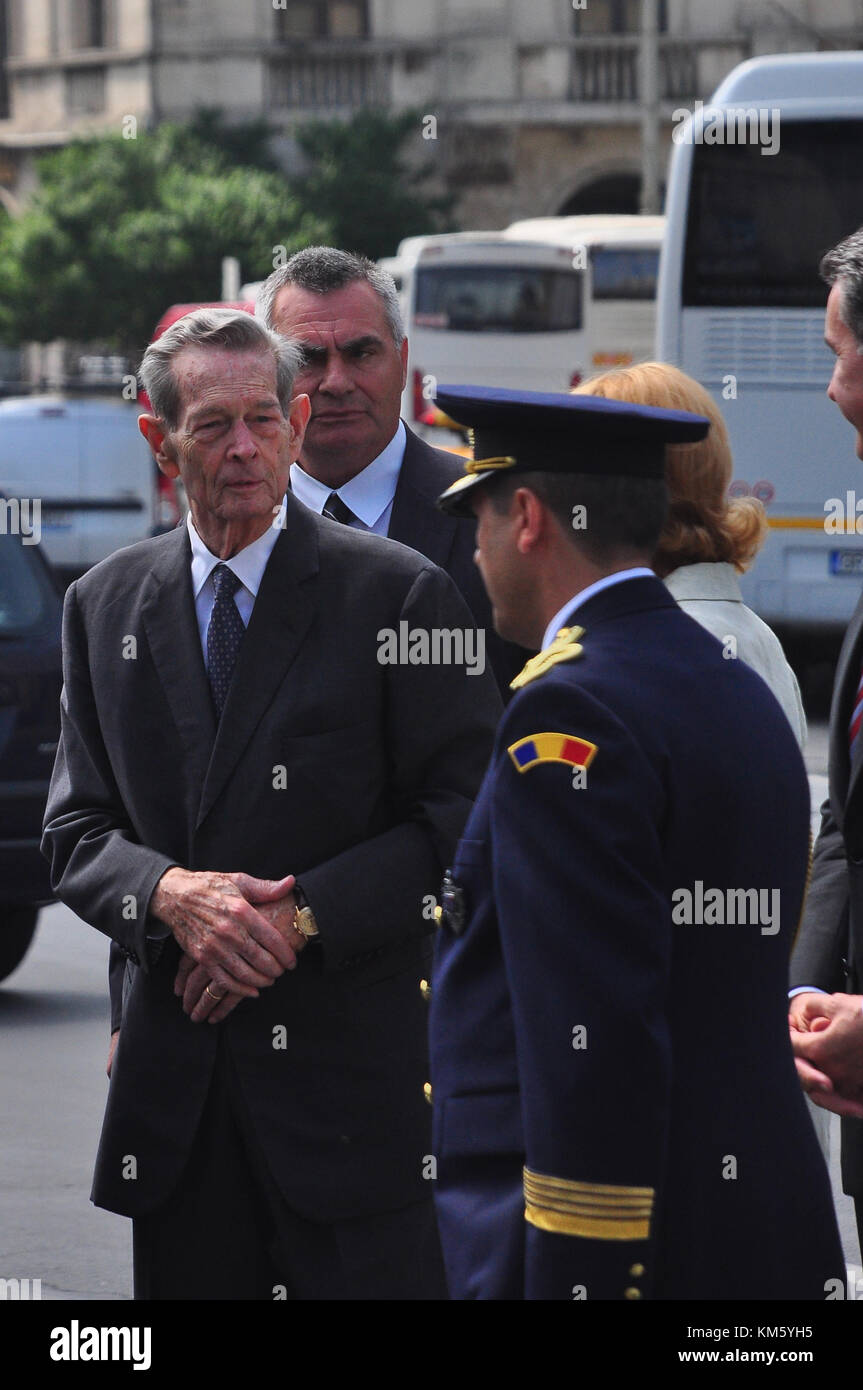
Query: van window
[(625, 273), (497, 299)]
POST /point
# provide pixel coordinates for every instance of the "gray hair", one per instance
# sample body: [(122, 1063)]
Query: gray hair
[(228, 328), (845, 263), (321, 269)]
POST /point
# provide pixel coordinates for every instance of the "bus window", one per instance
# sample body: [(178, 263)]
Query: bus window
[(624, 273), (497, 299), (758, 227)]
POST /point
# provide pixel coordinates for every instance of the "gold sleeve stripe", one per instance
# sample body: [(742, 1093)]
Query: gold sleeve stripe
[(598, 1211)]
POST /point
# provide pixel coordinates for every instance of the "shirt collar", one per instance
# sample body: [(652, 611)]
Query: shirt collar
[(248, 564), (368, 494), (558, 621)]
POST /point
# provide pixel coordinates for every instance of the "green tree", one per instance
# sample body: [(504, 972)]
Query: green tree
[(359, 182), (119, 229)]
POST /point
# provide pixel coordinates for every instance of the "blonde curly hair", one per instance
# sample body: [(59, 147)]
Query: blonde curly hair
[(703, 523)]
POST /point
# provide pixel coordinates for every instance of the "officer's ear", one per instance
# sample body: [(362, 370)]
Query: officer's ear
[(530, 519), (154, 431)]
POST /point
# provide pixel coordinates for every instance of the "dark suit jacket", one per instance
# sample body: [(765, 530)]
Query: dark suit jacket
[(381, 764), (445, 540), (449, 541), (829, 950), (627, 1055)]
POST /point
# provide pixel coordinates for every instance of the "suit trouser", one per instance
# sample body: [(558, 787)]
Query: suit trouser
[(226, 1232)]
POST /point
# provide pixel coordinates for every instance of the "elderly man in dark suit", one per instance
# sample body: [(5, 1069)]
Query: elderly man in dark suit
[(256, 806), (359, 460), (827, 968)]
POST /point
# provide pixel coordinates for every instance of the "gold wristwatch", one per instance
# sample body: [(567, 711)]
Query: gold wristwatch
[(304, 919)]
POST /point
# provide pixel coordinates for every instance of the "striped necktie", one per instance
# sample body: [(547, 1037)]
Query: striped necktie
[(856, 715)]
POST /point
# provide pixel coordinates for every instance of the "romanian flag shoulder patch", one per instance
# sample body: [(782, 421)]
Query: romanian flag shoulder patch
[(551, 748)]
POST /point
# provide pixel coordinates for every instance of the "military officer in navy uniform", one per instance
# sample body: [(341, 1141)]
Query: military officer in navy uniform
[(616, 1112)]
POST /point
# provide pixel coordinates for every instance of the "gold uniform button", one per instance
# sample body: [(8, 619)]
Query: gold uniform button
[(425, 990), (632, 1293), (636, 1271), (427, 1092), (438, 914)]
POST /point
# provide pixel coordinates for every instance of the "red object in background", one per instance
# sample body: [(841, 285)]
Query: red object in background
[(574, 380), (179, 311), (168, 510)]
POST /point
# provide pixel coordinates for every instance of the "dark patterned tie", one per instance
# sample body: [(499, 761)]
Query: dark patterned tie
[(224, 635), (337, 510)]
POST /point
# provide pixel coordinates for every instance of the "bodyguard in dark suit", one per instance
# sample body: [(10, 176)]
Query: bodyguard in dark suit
[(827, 967), (284, 1148), (607, 1127), (344, 312)]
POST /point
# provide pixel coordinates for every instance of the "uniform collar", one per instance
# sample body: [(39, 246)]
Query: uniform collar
[(560, 618)]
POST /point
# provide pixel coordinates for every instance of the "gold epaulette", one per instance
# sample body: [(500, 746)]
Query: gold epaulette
[(565, 647), (598, 1211)]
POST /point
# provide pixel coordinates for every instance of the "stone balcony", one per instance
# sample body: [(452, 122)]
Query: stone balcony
[(579, 79)]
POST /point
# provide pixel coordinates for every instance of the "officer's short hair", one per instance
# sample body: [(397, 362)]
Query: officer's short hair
[(622, 515), (322, 269), (845, 263)]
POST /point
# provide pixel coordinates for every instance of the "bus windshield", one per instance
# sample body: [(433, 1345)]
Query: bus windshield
[(497, 299), (759, 224)]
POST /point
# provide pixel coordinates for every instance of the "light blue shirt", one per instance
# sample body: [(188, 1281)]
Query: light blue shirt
[(369, 495), (248, 565), (558, 621)]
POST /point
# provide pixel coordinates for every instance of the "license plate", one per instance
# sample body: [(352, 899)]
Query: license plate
[(846, 562)]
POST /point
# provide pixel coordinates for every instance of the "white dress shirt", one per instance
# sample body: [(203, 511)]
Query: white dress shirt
[(248, 565), (369, 495)]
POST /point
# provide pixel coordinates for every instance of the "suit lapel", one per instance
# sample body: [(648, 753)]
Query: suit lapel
[(283, 613), (415, 519), (169, 620), (844, 773)]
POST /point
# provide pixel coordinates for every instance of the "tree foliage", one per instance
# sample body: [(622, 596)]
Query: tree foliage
[(119, 229), (359, 182)]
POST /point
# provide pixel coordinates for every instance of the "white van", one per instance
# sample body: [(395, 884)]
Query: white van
[(86, 464)]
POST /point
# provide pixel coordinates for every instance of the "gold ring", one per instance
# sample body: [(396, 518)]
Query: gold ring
[(218, 997)]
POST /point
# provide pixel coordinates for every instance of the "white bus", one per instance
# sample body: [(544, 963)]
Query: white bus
[(538, 306), (620, 255), (483, 309), (763, 180)]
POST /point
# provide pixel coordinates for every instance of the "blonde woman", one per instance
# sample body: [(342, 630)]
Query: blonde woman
[(708, 539)]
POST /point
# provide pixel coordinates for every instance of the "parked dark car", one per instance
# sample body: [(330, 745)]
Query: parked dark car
[(30, 681)]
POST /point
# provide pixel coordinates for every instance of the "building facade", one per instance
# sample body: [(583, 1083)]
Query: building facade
[(535, 106)]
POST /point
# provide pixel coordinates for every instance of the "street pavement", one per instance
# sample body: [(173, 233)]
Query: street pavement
[(53, 1040)]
